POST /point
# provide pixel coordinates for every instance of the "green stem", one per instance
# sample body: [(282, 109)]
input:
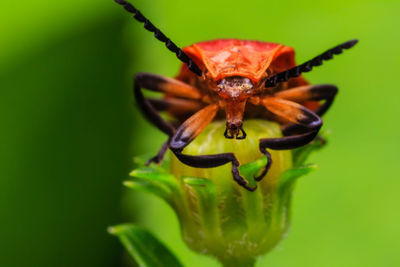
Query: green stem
[(238, 262)]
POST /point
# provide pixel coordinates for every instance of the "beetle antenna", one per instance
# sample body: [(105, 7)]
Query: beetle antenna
[(307, 66), (160, 36)]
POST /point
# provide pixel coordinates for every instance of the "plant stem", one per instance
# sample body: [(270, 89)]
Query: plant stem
[(238, 262)]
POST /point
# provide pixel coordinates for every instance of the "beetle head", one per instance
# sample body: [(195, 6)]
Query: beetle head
[(234, 91), (234, 87)]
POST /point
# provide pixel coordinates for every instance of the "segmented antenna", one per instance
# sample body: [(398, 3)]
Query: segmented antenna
[(307, 66), (160, 36)]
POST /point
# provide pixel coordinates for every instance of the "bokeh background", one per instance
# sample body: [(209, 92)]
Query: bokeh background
[(69, 127)]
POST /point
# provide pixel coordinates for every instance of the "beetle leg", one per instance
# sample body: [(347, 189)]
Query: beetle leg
[(152, 116), (305, 93), (179, 108), (167, 85), (211, 161), (308, 93), (292, 112), (191, 128), (147, 109), (161, 153), (160, 84), (297, 114)]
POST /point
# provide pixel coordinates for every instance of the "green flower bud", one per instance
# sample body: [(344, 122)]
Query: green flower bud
[(217, 216)]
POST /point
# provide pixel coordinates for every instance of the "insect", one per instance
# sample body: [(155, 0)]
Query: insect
[(233, 76)]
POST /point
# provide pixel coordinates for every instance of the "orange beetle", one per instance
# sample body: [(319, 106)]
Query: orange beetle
[(234, 75)]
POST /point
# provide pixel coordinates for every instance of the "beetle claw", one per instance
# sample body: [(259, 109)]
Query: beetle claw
[(243, 136), (228, 133), (240, 180)]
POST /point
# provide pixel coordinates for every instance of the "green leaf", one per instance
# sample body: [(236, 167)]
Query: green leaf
[(154, 174), (285, 186), (252, 201), (288, 178), (206, 193), (250, 170), (155, 180), (300, 155), (143, 246), (150, 187), (141, 160)]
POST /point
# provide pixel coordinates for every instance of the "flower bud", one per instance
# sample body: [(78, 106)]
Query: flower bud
[(218, 217)]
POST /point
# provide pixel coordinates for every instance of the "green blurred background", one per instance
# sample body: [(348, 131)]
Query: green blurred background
[(69, 126)]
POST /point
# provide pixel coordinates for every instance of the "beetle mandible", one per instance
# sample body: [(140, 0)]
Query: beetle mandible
[(234, 75)]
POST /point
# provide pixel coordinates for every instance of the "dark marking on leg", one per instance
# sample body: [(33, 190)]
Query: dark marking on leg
[(291, 111), (319, 92), (305, 93), (176, 106), (328, 95), (167, 85)]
